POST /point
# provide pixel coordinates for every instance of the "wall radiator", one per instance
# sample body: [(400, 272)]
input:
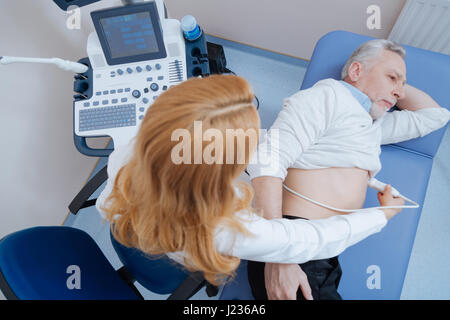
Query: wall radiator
[(424, 24)]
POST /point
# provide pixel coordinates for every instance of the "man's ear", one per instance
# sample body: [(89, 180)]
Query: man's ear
[(355, 71)]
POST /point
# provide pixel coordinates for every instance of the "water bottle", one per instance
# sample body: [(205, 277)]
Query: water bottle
[(190, 28)]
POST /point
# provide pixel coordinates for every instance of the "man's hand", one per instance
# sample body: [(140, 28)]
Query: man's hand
[(415, 99), (282, 281)]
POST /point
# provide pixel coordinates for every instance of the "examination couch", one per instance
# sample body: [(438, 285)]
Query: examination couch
[(406, 165)]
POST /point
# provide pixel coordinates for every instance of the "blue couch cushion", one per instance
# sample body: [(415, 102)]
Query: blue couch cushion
[(389, 250), (424, 70)]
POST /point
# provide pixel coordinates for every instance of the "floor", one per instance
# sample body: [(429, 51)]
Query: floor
[(273, 78)]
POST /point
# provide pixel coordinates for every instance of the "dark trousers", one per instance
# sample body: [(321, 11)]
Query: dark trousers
[(323, 277)]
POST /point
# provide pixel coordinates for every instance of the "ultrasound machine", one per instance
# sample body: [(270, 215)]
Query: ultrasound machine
[(135, 54)]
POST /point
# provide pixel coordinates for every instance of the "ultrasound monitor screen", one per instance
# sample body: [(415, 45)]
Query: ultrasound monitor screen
[(130, 35)]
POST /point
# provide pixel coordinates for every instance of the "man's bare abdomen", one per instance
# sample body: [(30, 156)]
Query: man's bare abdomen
[(343, 188)]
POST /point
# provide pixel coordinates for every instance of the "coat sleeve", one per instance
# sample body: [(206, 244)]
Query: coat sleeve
[(299, 241), (404, 125)]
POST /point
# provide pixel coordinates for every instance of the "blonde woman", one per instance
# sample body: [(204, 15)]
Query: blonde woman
[(195, 211)]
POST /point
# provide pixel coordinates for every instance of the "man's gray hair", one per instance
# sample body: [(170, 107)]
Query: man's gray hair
[(369, 50)]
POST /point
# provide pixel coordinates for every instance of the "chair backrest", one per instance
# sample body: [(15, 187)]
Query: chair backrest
[(158, 274)]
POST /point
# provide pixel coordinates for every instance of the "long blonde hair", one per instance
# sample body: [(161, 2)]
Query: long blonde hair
[(159, 206)]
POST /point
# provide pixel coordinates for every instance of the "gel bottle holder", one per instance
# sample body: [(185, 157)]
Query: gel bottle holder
[(197, 62)]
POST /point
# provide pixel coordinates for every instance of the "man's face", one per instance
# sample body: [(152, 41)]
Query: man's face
[(382, 80)]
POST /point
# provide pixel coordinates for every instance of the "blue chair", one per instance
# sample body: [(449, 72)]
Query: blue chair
[(42, 263), (34, 264), (406, 165)]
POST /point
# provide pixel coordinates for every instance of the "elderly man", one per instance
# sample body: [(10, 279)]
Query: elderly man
[(328, 147)]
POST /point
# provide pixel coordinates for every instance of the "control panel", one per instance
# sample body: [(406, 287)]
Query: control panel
[(134, 57)]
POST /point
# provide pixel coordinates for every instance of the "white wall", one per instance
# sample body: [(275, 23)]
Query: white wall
[(291, 27), (41, 169)]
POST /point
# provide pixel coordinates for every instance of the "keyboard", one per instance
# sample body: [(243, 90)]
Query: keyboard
[(115, 116)]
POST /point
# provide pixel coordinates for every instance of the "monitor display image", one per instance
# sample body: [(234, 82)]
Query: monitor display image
[(130, 34)]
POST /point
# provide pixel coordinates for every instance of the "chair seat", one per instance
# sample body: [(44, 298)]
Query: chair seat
[(34, 265), (158, 274), (239, 287)]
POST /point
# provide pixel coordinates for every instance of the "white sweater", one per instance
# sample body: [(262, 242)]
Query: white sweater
[(325, 126), (276, 240)]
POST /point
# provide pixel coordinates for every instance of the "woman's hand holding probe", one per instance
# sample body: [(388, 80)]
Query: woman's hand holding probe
[(386, 199)]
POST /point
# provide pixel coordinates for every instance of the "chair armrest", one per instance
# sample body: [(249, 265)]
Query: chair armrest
[(81, 200)]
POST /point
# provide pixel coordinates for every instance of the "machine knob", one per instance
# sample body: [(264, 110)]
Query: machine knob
[(129, 70), (145, 100), (154, 86), (158, 66), (148, 67), (138, 69), (120, 71), (136, 93)]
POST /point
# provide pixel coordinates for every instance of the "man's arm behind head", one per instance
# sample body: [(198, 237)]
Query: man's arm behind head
[(416, 99)]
